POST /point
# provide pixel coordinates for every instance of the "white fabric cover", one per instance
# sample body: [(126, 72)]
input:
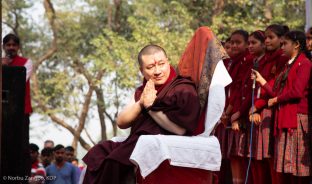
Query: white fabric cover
[(202, 151), (216, 98)]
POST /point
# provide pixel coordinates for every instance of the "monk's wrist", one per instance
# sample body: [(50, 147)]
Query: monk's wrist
[(144, 109)]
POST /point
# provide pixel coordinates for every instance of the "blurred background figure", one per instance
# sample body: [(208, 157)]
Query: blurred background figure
[(46, 156), (48, 144), (38, 172)]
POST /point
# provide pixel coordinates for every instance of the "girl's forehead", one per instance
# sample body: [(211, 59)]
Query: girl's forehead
[(270, 32), (237, 36)]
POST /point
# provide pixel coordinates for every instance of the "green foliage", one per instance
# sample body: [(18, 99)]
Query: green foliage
[(105, 38), (167, 25), (246, 14)]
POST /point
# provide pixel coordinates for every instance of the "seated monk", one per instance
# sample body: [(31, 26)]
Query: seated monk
[(165, 104)]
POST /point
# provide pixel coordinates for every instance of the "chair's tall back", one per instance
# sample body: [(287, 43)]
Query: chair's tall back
[(201, 58)]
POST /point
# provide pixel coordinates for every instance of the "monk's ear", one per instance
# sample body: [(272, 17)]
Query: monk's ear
[(141, 69)]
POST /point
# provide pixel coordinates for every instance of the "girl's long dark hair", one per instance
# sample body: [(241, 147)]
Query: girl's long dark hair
[(259, 35), (241, 32), (294, 36), (279, 30), (300, 37)]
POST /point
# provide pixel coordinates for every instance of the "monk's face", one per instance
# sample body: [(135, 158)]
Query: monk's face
[(155, 67)]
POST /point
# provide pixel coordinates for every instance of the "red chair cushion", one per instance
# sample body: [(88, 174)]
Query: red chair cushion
[(167, 174)]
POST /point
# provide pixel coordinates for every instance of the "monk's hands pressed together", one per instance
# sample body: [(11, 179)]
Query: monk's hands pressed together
[(149, 94)]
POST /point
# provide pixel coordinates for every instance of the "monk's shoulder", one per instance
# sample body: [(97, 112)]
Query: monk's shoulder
[(183, 83)]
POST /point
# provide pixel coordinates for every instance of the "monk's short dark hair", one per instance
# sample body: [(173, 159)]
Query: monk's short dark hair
[(149, 50), (9, 37)]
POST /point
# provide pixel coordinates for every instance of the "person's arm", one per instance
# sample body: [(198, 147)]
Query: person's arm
[(29, 68), (163, 121), (128, 115), (255, 75), (131, 111)]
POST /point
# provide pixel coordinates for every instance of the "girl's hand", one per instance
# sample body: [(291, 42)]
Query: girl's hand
[(253, 110), (235, 126), (255, 75), (256, 118), (272, 101)]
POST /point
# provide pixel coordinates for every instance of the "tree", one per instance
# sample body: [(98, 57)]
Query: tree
[(226, 16), (85, 51)]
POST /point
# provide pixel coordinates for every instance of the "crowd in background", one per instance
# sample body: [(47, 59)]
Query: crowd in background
[(54, 164)]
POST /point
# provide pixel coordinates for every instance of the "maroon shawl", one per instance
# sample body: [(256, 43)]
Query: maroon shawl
[(177, 99)]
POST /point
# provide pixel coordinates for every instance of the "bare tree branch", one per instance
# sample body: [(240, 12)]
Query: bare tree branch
[(53, 117), (51, 17), (9, 25), (16, 23), (117, 4), (88, 135), (83, 116), (101, 109), (79, 67), (109, 116)]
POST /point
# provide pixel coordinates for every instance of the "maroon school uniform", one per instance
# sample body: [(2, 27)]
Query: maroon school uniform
[(240, 91), (263, 140), (292, 140), (232, 65)]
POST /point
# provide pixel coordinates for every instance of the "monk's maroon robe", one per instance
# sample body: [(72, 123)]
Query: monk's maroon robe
[(108, 162)]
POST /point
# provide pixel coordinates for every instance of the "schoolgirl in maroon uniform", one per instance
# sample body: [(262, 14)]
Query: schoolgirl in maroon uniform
[(263, 141), (289, 94), (241, 62), (261, 129)]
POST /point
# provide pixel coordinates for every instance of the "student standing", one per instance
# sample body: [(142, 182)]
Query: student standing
[(289, 94), (241, 62), (260, 146)]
